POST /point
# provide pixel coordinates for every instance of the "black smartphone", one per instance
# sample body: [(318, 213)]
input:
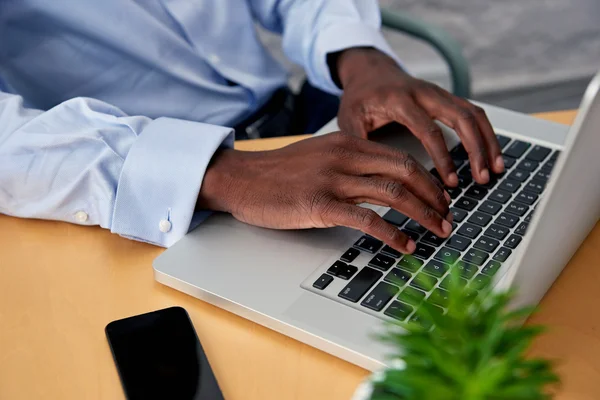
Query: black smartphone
[(159, 356)]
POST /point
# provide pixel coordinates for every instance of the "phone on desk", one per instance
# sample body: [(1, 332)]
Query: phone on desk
[(158, 356)]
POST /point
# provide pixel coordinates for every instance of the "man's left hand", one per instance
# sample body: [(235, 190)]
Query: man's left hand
[(377, 91)]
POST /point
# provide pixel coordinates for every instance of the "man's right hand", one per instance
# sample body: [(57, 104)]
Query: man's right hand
[(319, 182)]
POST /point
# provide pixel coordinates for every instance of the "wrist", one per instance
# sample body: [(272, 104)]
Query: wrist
[(219, 186), (360, 61)]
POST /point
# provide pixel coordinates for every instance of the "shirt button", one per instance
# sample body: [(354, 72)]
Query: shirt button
[(164, 225), (214, 58), (81, 217)]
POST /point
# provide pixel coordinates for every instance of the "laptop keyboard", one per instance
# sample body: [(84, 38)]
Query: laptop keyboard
[(489, 223)]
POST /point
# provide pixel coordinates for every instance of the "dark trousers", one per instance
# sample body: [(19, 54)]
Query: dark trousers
[(287, 114)]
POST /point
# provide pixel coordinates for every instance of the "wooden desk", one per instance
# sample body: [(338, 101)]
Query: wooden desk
[(60, 284)]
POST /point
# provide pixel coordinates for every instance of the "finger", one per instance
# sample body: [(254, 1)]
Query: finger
[(393, 194), (464, 122), (430, 134), (353, 124), (369, 222), (400, 167), (494, 153)]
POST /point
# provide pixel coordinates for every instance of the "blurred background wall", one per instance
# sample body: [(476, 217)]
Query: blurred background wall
[(527, 55)]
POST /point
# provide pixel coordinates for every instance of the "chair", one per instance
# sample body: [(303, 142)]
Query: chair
[(439, 39)]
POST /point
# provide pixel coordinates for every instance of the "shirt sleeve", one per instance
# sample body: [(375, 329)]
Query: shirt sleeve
[(85, 161), (312, 29)]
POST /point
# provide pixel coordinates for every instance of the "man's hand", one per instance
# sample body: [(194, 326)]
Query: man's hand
[(318, 182), (377, 92)]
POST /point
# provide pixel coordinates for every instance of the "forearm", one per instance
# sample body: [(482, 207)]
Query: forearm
[(86, 162)]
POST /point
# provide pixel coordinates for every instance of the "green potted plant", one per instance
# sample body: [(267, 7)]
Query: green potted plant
[(473, 349)]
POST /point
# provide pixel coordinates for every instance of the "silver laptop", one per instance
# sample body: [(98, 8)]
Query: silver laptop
[(332, 288)]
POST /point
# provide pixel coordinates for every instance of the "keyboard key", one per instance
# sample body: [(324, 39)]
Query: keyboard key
[(424, 282), (517, 208), (398, 277), (500, 196), (436, 268), (398, 310), (425, 324), (458, 214), (490, 207), (440, 297), (526, 197), (519, 175), (350, 255), (458, 242), (415, 227), (453, 192), (413, 235), (492, 182), (491, 268), (496, 232), (323, 281), (475, 257), (465, 171), (479, 218), (447, 255), (476, 192), (380, 296), (513, 241), (464, 181), (522, 228), (469, 230), (535, 186), (538, 153), (529, 216), (528, 165), (516, 149), (502, 254), (346, 272), (411, 295), (388, 251), (466, 203), (410, 263), (395, 218), (368, 244), (502, 140), (433, 239), (446, 282), (362, 282), (509, 185), (486, 244), (466, 270), (542, 176), (423, 251), (459, 153), (382, 262), (507, 219), (480, 281), (554, 155), (336, 268), (458, 164), (508, 161)]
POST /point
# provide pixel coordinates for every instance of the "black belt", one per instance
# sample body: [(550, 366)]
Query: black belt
[(275, 118)]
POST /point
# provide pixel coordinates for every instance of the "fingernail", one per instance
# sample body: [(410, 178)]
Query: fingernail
[(500, 163), (411, 246), (447, 196), (446, 227), (485, 174), (453, 179)]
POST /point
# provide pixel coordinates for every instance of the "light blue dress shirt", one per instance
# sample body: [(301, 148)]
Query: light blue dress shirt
[(111, 110)]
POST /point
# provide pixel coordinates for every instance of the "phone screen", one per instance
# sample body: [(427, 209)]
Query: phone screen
[(159, 356)]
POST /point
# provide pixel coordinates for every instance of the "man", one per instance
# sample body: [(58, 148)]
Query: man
[(117, 113)]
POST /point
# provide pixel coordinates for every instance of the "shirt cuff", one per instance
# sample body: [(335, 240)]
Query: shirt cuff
[(161, 179), (338, 37)]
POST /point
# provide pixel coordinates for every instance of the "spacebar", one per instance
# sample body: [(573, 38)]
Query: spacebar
[(360, 284)]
